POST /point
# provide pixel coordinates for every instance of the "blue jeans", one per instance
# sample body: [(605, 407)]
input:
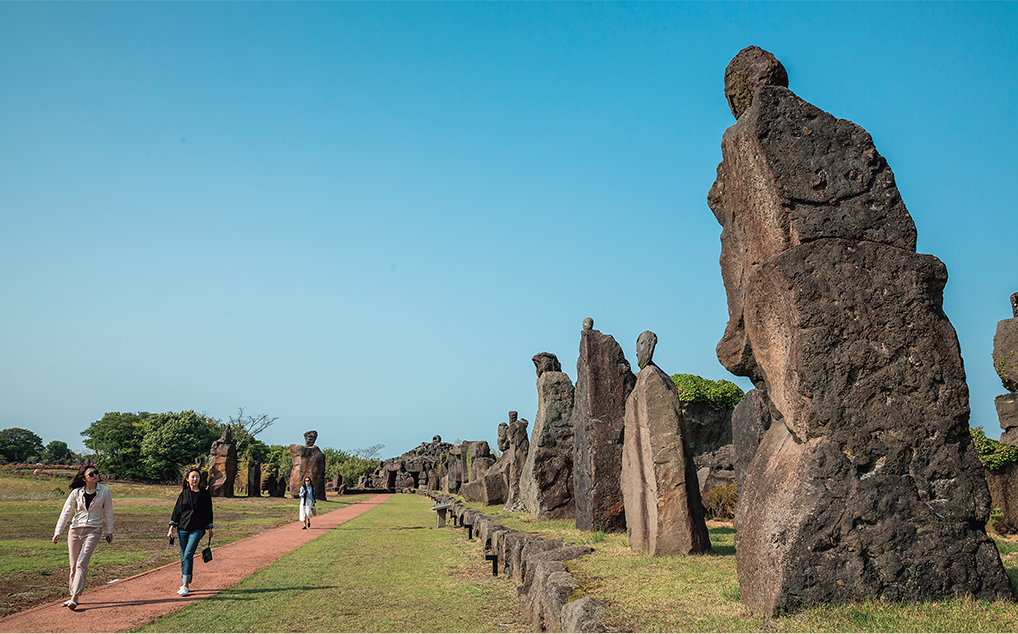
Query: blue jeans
[(189, 541)]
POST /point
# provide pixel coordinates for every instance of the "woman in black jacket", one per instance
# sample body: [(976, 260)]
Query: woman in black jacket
[(192, 516)]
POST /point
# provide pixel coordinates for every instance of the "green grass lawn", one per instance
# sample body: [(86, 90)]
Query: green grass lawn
[(388, 570)]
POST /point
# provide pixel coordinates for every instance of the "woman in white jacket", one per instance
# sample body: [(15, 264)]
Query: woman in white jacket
[(89, 505)]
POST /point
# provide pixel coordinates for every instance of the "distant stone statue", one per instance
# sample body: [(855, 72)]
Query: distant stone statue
[(1005, 362), (254, 479), (664, 513), (519, 447), (308, 460), (223, 465), (546, 483), (503, 437), (865, 484), (603, 382), (199, 464)]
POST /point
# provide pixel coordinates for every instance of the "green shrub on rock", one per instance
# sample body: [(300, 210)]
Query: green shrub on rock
[(718, 394), (993, 454)]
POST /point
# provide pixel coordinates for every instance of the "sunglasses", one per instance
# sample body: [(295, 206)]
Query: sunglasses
[(92, 474)]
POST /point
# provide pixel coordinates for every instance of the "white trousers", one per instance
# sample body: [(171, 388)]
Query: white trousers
[(81, 543)]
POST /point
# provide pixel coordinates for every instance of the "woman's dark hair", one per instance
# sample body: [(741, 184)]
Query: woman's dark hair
[(186, 486), (78, 480)]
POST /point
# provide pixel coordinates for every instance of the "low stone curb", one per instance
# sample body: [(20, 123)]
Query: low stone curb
[(534, 564)]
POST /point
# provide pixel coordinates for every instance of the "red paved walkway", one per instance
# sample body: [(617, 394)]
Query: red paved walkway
[(137, 600)]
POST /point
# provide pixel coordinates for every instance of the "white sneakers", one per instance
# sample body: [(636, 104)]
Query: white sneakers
[(183, 591)]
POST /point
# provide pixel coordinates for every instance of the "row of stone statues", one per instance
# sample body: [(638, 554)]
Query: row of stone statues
[(308, 460), (858, 476)]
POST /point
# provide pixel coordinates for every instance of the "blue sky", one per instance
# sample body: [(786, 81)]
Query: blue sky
[(366, 218)]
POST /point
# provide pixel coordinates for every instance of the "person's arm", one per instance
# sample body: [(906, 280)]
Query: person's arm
[(65, 514), (175, 516), (205, 500), (108, 512)]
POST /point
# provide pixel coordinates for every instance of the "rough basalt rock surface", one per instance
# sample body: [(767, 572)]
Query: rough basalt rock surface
[(546, 483), (750, 421), (866, 484), (1005, 353), (664, 512), (223, 465), (519, 448), (308, 461), (603, 382), (1007, 414)]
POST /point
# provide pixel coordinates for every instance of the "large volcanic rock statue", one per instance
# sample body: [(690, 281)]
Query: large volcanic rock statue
[(223, 465), (866, 484), (546, 484), (1005, 361), (664, 512), (308, 460), (519, 447), (603, 381)]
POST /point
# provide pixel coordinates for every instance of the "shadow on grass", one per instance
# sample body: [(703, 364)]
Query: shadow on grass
[(233, 594)]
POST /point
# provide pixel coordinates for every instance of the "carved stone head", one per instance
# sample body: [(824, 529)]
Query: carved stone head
[(588, 323), (645, 345), (310, 437)]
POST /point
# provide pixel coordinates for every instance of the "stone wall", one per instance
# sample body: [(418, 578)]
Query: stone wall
[(534, 564)]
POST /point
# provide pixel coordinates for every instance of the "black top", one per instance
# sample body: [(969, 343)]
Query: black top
[(193, 510), (88, 499)]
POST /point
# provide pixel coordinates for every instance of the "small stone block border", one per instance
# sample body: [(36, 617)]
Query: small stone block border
[(534, 564)]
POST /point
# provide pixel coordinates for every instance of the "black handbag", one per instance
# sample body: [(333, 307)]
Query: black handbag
[(206, 555)]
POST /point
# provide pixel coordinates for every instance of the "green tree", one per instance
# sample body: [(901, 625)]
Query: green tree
[(18, 445), (55, 451), (174, 440), (245, 428), (116, 440)]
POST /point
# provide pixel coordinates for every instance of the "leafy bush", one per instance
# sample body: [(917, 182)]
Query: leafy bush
[(993, 454), (720, 501), (718, 394)]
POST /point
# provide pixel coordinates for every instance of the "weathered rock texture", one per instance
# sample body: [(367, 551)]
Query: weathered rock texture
[(519, 447), (1005, 361), (1007, 414), (664, 513), (751, 419), (866, 485), (223, 465), (421, 464), (1003, 485), (546, 483), (603, 381), (308, 461), (254, 479), (708, 432), (1005, 353)]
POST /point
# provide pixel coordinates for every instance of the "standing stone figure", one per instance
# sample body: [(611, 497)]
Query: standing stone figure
[(1005, 361), (603, 382), (546, 484), (866, 484), (223, 465), (254, 479), (519, 447), (308, 460), (664, 512)]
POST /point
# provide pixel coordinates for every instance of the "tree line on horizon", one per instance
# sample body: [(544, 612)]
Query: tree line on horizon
[(157, 447)]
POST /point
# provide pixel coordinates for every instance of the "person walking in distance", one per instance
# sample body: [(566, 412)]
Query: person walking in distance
[(192, 516), (88, 507), (307, 501)]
